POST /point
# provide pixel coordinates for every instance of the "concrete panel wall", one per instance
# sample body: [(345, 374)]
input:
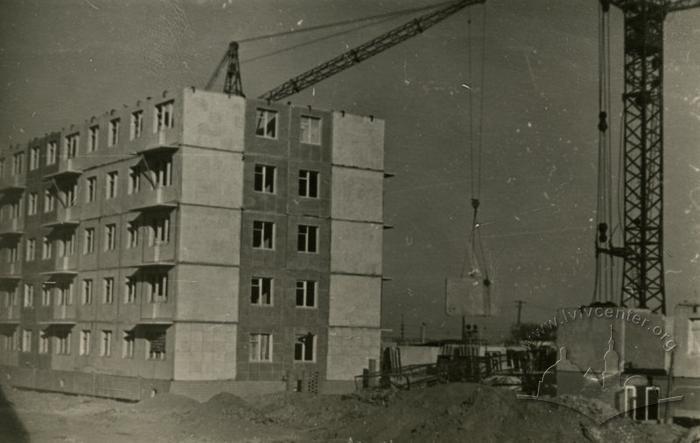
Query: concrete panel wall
[(205, 351), (355, 301), (349, 351), (207, 293), (211, 177), (213, 120), (209, 235), (358, 141), (356, 248), (357, 194)]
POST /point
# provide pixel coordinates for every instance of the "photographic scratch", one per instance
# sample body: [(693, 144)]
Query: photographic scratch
[(92, 5)]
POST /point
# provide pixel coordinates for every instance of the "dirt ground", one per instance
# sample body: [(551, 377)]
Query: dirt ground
[(444, 413)]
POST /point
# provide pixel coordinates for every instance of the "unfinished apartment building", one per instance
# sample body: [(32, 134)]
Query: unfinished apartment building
[(193, 243)]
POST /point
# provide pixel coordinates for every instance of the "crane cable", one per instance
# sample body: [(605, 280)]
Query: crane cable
[(604, 271), (373, 21), (478, 257)]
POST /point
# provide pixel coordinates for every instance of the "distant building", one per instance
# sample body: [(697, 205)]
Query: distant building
[(192, 243), (645, 365), (685, 366)]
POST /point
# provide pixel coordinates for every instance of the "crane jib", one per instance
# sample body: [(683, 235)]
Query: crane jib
[(364, 51)]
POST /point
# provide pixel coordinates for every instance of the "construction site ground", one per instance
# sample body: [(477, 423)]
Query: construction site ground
[(455, 412)]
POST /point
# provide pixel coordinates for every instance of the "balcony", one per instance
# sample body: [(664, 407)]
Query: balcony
[(162, 256), (152, 199), (157, 313), (13, 183), (161, 144), (12, 227), (9, 314), (64, 266), (63, 314), (66, 169), (64, 217), (11, 271)]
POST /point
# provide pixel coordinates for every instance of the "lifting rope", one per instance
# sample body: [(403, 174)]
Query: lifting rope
[(478, 257), (604, 270)]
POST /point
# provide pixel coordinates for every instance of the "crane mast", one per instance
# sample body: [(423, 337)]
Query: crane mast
[(643, 269)]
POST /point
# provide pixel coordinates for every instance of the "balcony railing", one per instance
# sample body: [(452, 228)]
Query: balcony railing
[(162, 254), (67, 265), (159, 198), (10, 227), (16, 182), (157, 312), (9, 313), (65, 216), (66, 168), (11, 270), (63, 313), (163, 142)]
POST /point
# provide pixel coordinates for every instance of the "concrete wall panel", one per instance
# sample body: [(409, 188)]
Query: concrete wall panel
[(205, 351), (357, 194), (356, 248), (207, 293), (213, 120), (349, 351), (358, 141), (355, 301), (209, 235), (211, 177)]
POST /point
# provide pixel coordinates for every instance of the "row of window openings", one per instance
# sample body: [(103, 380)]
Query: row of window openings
[(162, 177), (260, 344), (265, 178), (260, 347), (159, 234), (163, 118), (267, 127), (157, 292), (155, 343), (262, 292), (266, 175), (264, 236), (267, 124)]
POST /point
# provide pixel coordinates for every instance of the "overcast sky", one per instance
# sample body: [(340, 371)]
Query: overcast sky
[(63, 61)]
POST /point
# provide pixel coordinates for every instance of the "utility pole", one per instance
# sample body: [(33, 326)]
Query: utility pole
[(403, 329), (520, 304)]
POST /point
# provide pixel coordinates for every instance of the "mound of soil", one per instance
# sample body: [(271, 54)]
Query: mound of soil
[(227, 417), (166, 403), (470, 412)]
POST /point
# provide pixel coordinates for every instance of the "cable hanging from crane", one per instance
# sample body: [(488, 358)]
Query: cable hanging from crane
[(604, 271), (480, 266)]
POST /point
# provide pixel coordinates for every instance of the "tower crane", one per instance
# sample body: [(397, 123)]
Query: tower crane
[(642, 251)]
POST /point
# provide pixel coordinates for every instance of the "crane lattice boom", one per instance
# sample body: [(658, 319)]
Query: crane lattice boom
[(364, 51)]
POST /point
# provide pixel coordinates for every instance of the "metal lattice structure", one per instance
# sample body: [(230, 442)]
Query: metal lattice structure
[(364, 51), (643, 272), (232, 82)]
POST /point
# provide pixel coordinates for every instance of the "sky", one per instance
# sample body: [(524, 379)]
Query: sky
[(63, 61)]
